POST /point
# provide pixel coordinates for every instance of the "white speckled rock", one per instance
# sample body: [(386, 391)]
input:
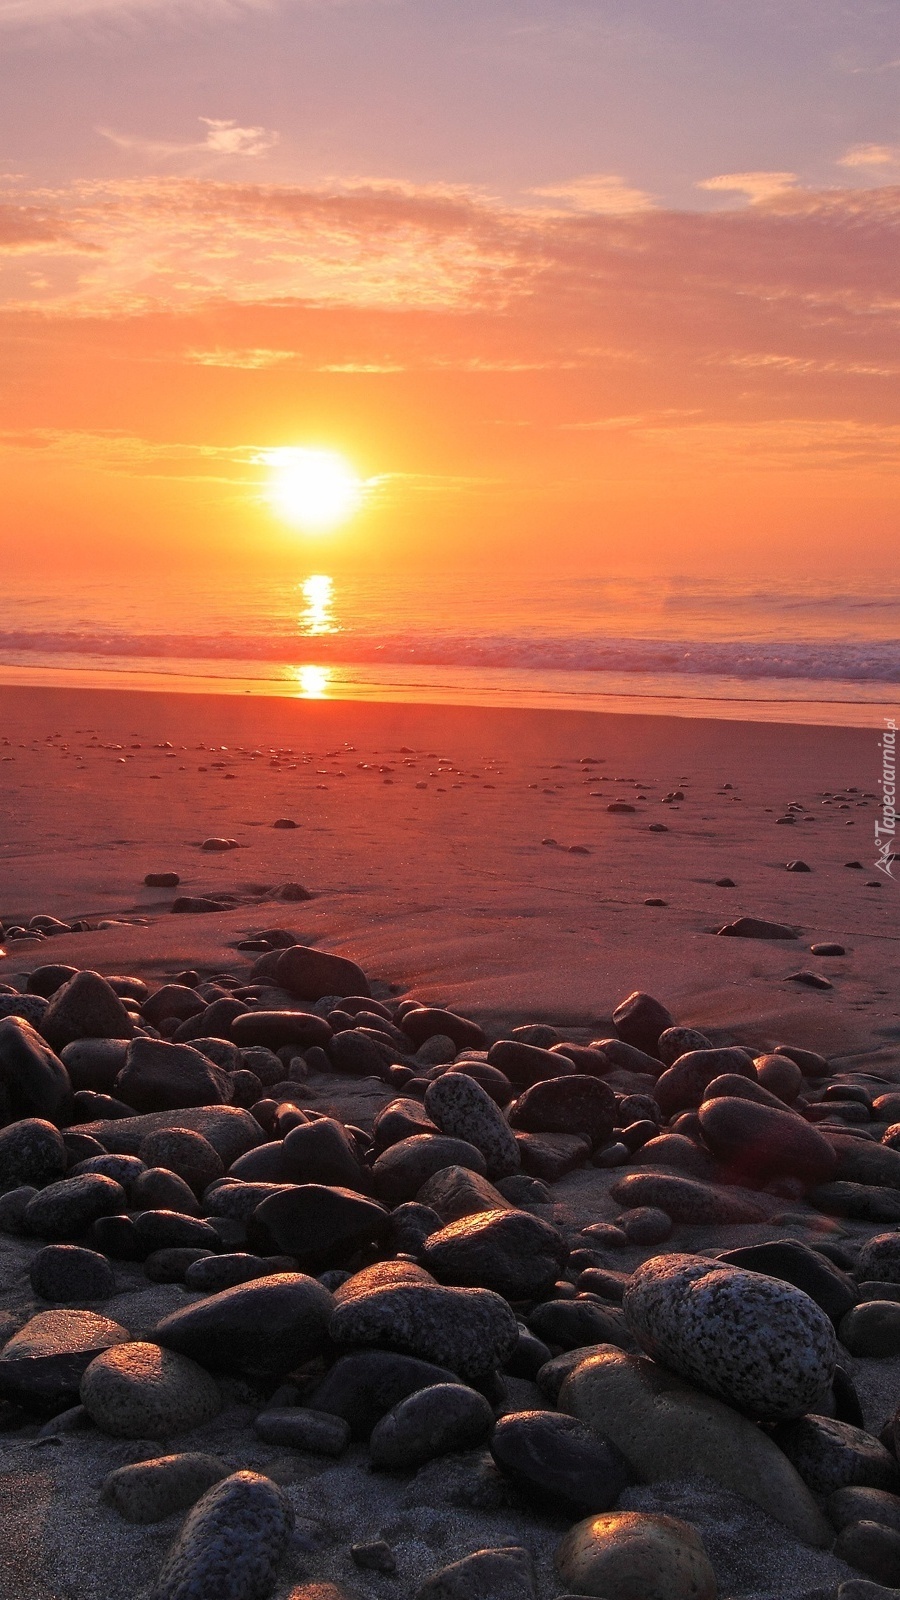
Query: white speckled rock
[(758, 1343), (463, 1110), (231, 1543), (139, 1391)]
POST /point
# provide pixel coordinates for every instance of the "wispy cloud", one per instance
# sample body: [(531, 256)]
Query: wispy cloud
[(246, 360), (603, 193), (755, 185), (871, 156), (224, 138), (30, 14)]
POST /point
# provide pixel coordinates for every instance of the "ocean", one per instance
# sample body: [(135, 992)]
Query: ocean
[(811, 653)]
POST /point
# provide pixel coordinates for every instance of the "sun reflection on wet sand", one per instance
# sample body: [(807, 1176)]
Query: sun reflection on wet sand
[(312, 682)]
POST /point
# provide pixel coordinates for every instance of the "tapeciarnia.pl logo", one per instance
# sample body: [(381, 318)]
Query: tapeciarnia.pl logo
[(885, 830)]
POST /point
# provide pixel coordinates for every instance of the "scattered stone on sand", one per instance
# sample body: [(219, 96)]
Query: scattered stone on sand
[(757, 928), (556, 1457), (317, 1432), (230, 1544), (506, 1573), (625, 1553), (66, 1272), (139, 1391), (148, 1491), (430, 1422)]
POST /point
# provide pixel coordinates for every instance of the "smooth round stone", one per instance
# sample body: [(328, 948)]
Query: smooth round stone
[(318, 1432), (86, 1007), (400, 1119), (781, 1076), (66, 1272), (872, 1329), (757, 1143), (230, 1544), (512, 1252), (184, 1152), (431, 1422), (211, 1274), (832, 1455), (236, 1200), (455, 1192), (556, 1457), (148, 1491), (139, 1391), (506, 1573), (572, 1324), (28, 1007), (640, 1020), (173, 1263), (471, 1331), (363, 1386), (879, 1258), (33, 1080), (31, 1151), (66, 1209), (462, 1109), (872, 1549), (401, 1170), (646, 1225), (164, 1230), (802, 1266), (756, 1342), (322, 1226), (684, 1199), (630, 1555), (156, 1189), (122, 1169), (676, 1042), (571, 1104), (864, 1505), (94, 1064), (682, 1086), (260, 1329), (13, 1206)]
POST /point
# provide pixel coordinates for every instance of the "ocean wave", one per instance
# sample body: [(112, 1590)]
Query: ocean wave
[(813, 660)]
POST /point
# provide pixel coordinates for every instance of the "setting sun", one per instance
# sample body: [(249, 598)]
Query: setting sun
[(314, 489)]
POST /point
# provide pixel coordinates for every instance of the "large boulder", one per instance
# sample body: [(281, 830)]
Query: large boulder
[(86, 1007), (168, 1077), (259, 1329), (33, 1080)]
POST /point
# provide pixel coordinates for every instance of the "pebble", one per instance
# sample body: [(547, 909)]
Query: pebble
[(574, 1104), (682, 1086), (33, 1081), (148, 1491), (756, 1342), (833, 1455), (624, 1554), (66, 1209), (319, 1225), (552, 1456), (169, 1077), (430, 1422), (505, 1573), (468, 1330), (462, 1109), (66, 1272), (872, 1329), (864, 1505), (517, 1254), (139, 1391), (230, 1544), (399, 1173), (363, 1386), (261, 1329), (684, 1199), (317, 1432), (86, 1007), (31, 1151), (184, 1152), (157, 1189), (757, 1143)]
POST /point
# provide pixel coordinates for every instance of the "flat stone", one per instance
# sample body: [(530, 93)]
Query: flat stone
[(148, 1491), (625, 1553), (317, 1432), (138, 1391), (549, 1156), (518, 1255), (685, 1199), (756, 928), (230, 1544)]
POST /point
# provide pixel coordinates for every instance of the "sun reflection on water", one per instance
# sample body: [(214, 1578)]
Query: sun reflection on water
[(312, 682), (317, 616)]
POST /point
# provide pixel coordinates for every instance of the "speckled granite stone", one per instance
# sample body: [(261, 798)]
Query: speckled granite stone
[(230, 1544)]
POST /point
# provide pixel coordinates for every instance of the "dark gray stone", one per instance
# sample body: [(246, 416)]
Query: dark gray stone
[(66, 1209), (170, 1077), (230, 1544), (512, 1252), (471, 1331), (364, 1386), (574, 1105), (66, 1272), (401, 1171), (321, 1225), (31, 1151), (85, 1008), (555, 1457), (832, 1455), (430, 1422), (33, 1081), (259, 1329)]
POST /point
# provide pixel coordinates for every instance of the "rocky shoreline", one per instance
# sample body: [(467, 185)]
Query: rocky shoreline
[(310, 1291)]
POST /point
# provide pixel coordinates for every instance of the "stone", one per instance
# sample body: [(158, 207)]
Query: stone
[(321, 1225), (260, 1329), (859, 1504), (833, 1455), (470, 1331), (86, 1007), (237, 1200), (362, 1055), (756, 928), (122, 1169), (31, 1151), (323, 1152), (42, 1365), (569, 1105), (555, 1457), (172, 1000), (872, 1329), (753, 1341), (525, 1064), (230, 1130), (452, 1193), (779, 1075), (13, 1205), (685, 1199), (873, 1549), (148, 1491), (633, 1555), (863, 1202), (667, 1429), (399, 1173), (430, 1422), (462, 1109), (678, 1151), (317, 1432), (27, 1007), (210, 1274), (230, 1544), (364, 1386), (33, 1081), (171, 1264), (683, 1085), (674, 1042), (512, 1252), (184, 1152), (640, 1020), (170, 1077), (646, 1225), (399, 1119), (880, 1258), (424, 1022), (157, 1189), (139, 1391), (757, 1144), (575, 1323), (276, 1028), (793, 1262), (549, 1156), (505, 1573), (168, 1230), (65, 1272), (310, 974), (66, 1209)]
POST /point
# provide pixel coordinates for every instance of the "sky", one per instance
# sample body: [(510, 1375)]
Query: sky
[(599, 285)]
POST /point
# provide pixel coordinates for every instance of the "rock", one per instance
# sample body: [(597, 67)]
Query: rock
[(85, 1008), (364, 1386), (518, 1255), (756, 1342), (65, 1272), (172, 1000), (640, 1020), (13, 1205), (31, 1151), (230, 1131), (122, 1169), (573, 1324), (525, 1064), (399, 1119), (184, 1152), (138, 1391), (757, 1144), (685, 1199), (169, 1077), (872, 1549), (362, 1055), (630, 1553), (833, 1290), (47, 979), (171, 1264), (556, 1457), (428, 1423), (678, 1151), (857, 1504), (462, 1109), (41, 1366), (495, 1082), (880, 1258), (259, 1329), (230, 1544), (468, 1330), (452, 1193), (321, 1225), (667, 1429), (683, 1085), (237, 1200), (872, 1329), (323, 1152), (863, 1202), (570, 1105), (276, 1028), (549, 1156), (171, 1230), (66, 1209), (502, 1574), (148, 1491), (780, 1076), (310, 974), (646, 1225), (424, 1022), (212, 1273), (317, 1432), (756, 928), (156, 1189), (33, 1081), (26, 1007), (401, 1171), (675, 1042), (831, 1455)]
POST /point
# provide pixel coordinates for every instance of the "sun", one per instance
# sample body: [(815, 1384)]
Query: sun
[(315, 490)]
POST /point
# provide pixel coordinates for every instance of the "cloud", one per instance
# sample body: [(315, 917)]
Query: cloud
[(755, 185), (224, 138), (246, 360), (28, 15), (603, 193), (871, 155), (32, 228)]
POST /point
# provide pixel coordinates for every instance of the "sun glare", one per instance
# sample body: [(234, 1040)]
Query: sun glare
[(316, 490)]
